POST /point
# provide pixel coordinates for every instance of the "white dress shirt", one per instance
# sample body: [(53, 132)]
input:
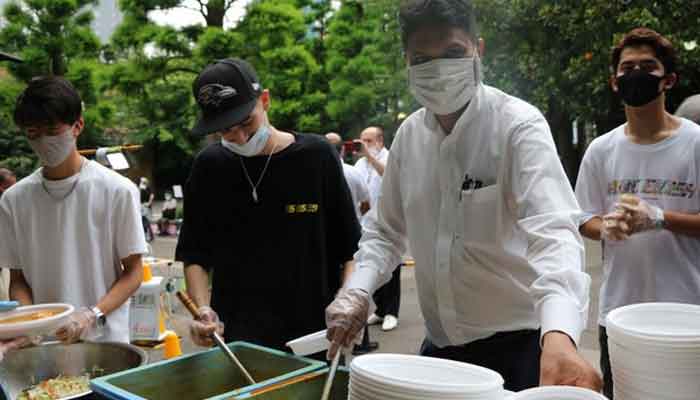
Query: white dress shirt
[(358, 187), (371, 176), (502, 255)]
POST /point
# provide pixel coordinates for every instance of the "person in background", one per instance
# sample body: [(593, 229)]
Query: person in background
[(71, 231), (371, 165), (7, 179), (475, 184), (147, 197), (267, 212), (168, 214), (690, 109), (373, 157), (355, 180), (638, 187)]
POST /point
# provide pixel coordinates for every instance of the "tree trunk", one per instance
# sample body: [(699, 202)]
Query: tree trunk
[(560, 122), (216, 11), (58, 64)]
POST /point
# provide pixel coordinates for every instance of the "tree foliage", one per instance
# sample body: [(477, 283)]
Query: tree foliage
[(365, 68), (557, 56), (327, 68), (54, 37)]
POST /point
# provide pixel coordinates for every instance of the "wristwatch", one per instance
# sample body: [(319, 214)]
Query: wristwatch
[(100, 318), (659, 220)]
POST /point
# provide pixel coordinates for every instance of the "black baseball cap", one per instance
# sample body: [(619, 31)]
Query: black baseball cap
[(226, 92)]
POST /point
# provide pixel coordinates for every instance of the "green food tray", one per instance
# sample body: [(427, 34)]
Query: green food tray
[(307, 387), (206, 375)]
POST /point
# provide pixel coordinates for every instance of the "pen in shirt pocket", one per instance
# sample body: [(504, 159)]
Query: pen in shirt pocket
[(469, 185)]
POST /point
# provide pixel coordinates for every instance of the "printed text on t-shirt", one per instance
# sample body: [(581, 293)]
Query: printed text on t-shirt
[(652, 187)]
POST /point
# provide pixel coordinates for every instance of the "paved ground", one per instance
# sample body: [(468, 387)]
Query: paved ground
[(409, 335)]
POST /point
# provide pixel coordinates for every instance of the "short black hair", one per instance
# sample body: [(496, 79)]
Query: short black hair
[(663, 48), (47, 101), (415, 14)]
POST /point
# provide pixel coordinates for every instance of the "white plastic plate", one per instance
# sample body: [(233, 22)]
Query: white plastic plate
[(35, 327)]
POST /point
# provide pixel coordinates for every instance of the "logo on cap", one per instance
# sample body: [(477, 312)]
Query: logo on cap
[(213, 94)]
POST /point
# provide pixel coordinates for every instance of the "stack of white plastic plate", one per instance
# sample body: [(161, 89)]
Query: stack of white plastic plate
[(558, 393), (655, 351), (408, 377)]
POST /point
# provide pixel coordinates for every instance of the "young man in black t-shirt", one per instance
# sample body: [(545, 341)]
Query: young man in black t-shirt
[(267, 212)]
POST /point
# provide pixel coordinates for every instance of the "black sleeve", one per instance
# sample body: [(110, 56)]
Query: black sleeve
[(193, 246), (343, 228)]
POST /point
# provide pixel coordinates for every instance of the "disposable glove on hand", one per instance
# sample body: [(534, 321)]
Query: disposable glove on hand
[(345, 318), (78, 326), (7, 346), (640, 215), (614, 227), (202, 329)]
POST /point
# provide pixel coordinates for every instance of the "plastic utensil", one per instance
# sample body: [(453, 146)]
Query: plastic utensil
[(192, 308), (310, 344)]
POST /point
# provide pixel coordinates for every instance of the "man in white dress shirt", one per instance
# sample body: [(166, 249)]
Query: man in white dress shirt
[(371, 165), (475, 184), (354, 178), (373, 160)]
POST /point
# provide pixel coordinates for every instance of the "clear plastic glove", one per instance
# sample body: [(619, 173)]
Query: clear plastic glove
[(78, 326), (640, 216), (7, 346), (614, 227), (345, 318), (202, 329)]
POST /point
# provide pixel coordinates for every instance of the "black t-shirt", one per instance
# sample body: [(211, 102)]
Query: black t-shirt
[(276, 263), (145, 195)]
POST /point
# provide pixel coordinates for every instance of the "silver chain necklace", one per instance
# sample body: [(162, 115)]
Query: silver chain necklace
[(262, 174), (72, 189)]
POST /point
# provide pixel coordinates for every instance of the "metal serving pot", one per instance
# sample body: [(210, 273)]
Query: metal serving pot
[(26, 367)]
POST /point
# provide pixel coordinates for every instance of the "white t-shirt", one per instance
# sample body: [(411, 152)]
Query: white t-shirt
[(656, 265), (372, 177), (358, 187), (70, 250)]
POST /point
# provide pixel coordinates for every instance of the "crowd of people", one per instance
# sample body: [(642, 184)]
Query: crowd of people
[(282, 237)]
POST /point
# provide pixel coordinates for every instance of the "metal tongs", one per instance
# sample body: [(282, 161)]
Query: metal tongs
[(331, 376), (192, 308)]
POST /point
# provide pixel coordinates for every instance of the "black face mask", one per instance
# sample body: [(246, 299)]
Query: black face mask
[(638, 88)]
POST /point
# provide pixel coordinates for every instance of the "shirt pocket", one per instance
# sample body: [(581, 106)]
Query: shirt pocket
[(479, 220)]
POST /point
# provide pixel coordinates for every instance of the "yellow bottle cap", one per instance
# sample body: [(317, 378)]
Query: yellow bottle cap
[(147, 273), (172, 345)]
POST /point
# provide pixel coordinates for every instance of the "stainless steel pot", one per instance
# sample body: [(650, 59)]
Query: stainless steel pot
[(26, 367)]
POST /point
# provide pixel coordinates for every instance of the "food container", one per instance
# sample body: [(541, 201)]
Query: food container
[(205, 375), (26, 367), (33, 327), (308, 386)]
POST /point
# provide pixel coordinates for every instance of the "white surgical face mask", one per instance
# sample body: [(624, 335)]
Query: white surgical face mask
[(53, 150), (446, 85), (254, 146)]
